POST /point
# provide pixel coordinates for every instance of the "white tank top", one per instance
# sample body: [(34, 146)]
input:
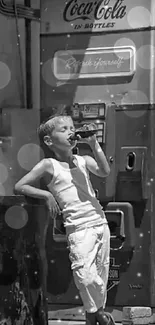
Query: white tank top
[(75, 195)]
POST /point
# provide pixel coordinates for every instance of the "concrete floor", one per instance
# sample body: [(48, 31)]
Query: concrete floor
[(65, 322), (71, 322), (75, 315)]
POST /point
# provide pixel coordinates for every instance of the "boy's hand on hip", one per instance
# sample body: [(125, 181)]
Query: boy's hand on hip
[(52, 206)]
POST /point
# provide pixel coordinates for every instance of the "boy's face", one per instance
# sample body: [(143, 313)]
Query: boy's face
[(63, 129)]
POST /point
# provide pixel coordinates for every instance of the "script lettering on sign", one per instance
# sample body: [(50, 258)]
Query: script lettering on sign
[(102, 9), (76, 65)]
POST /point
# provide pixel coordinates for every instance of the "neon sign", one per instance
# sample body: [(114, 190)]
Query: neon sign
[(94, 63)]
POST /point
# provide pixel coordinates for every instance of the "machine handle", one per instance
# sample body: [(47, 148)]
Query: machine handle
[(122, 239)]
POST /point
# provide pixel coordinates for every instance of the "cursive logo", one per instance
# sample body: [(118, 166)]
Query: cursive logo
[(75, 65), (101, 9)]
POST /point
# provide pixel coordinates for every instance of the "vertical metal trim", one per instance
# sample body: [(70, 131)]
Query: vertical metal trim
[(28, 59)]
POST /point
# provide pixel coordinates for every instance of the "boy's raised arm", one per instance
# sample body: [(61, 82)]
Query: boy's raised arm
[(98, 166)]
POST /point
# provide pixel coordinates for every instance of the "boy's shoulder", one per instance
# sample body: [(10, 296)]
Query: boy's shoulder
[(48, 167), (45, 164)]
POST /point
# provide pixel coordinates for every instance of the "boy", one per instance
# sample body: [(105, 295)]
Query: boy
[(88, 236)]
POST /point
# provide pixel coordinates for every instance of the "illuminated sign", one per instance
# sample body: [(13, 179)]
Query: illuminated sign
[(94, 63), (70, 16)]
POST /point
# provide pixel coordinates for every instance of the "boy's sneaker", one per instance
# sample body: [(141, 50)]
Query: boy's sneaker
[(110, 319), (104, 318)]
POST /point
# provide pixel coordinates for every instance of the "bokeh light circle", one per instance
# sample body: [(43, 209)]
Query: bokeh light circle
[(61, 64), (5, 75), (139, 16), (64, 66), (144, 53), (124, 42), (134, 113), (134, 97), (3, 173), (29, 155), (47, 73), (16, 217)]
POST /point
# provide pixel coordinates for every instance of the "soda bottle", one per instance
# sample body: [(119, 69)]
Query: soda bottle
[(84, 132)]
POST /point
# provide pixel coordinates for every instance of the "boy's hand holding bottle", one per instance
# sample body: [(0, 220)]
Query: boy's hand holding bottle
[(86, 134)]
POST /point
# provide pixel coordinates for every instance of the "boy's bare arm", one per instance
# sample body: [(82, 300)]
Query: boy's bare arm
[(26, 185), (98, 166)]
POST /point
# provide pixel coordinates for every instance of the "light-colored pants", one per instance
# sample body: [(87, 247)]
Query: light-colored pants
[(89, 256)]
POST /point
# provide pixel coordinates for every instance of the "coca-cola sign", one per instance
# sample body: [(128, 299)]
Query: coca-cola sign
[(96, 10), (95, 16), (94, 63)]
